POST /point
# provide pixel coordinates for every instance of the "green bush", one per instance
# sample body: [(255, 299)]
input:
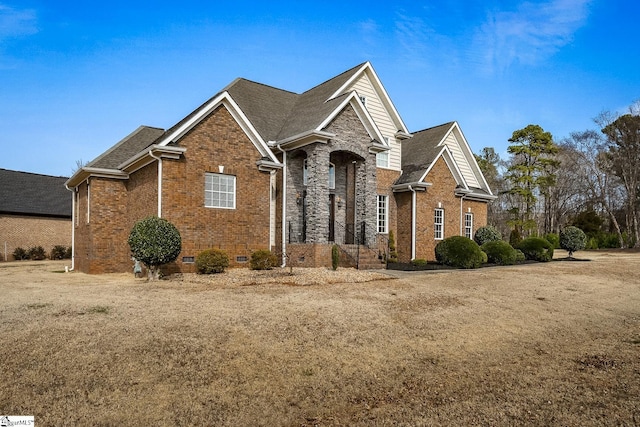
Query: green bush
[(520, 256), (460, 252), (58, 252), (37, 253), (487, 234), (335, 257), (572, 239), (263, 259), (68, 252), (554, 239), (500, 252), (536, 249), (155, 241), (419, 262), (20, 254), (515, 237), (592, 243), (212, 261)]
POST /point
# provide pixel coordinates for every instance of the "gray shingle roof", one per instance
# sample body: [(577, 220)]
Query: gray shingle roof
[(419, 152), (24, 193), (128, 147), (278, 114)]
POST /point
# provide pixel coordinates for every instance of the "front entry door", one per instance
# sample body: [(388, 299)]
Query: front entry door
[(332, 217)]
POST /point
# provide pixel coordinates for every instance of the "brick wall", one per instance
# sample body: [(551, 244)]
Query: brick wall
[(101, 244), (217, 141), (28, 231), (440, 194)]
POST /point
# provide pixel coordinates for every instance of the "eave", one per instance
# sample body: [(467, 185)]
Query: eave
[(411, 186), (302, 139), (87, 172), (151, 154)]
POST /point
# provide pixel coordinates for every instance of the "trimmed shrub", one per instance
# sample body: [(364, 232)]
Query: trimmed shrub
[(58, 252), (20, 254), (554, 239), (486, 234), (68, 252), (154, 241), (572, 239), (500, 252), (460, 252), (263, 259), (212, 261), (515, 238), (536, 249), (419, 262), (520, 256), (592, 243), (335, 257), (37, 253)]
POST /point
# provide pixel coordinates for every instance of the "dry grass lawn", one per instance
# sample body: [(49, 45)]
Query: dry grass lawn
[(541, 344)]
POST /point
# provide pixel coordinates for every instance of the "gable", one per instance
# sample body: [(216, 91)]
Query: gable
[(452, 142)]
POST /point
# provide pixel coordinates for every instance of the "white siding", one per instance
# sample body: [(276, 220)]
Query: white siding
[(460, 159), (381, 118)]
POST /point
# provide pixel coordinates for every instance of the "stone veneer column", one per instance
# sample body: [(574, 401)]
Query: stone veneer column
[(317, 193), (366, 199)]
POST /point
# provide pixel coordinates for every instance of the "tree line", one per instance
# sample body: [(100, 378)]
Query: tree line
[(590, 179)]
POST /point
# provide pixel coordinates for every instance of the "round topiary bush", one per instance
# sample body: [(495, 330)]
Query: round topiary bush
[(500, 252), (486, 234), (212, 261), (154, 241), (536, 249), (460, 252), (572, 239), (263, 259)]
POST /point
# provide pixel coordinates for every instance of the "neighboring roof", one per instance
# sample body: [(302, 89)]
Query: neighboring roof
[(419, 152), (128, 147), (25, 193)]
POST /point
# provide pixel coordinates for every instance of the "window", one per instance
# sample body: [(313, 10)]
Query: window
[(382, 159), (305, 176), (383, 214), (219, 191), (332, 176), (438, 227), (468, 225)]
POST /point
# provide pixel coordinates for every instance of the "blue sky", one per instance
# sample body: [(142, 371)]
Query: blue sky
[(76, 77)]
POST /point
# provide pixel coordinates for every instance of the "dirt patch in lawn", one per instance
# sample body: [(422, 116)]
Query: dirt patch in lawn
[(539, 344)]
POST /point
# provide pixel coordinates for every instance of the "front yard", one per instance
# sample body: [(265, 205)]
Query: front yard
[(538, 344)]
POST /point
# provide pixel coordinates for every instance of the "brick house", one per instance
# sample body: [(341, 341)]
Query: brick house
[(35, 210), (256, 167)]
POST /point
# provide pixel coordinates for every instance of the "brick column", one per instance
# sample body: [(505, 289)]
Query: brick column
[(317, 193)]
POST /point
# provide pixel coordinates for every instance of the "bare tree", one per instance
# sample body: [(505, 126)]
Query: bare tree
[(594, 169)]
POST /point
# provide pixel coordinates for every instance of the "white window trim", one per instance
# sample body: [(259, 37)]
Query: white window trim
[(382, 155), (385, 220), (233, 177), (436, 223), (468, 229)]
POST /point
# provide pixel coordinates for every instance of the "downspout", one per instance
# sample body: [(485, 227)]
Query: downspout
[(413, 222), (73, 226), (461, 216), (284, 206), (159, 159)]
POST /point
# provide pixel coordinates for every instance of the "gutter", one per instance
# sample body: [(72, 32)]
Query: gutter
[(284, 205), (413, 222), (73, 227), (159, 159)]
